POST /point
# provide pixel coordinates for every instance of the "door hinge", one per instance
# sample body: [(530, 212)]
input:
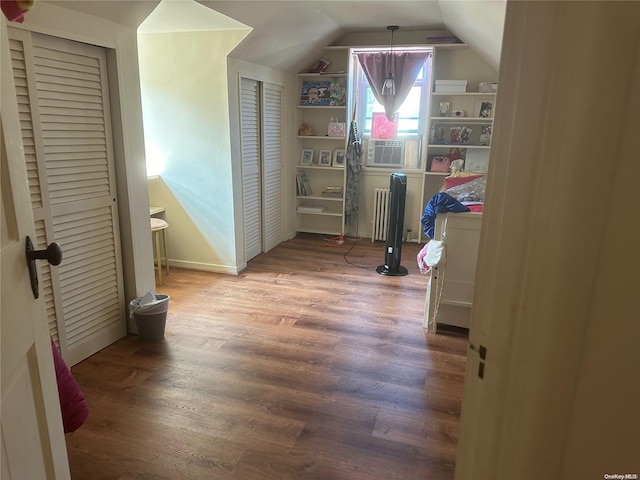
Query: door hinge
[(482, 353)]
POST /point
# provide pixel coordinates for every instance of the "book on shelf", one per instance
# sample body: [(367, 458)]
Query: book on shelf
[(333, 192), (303, 185)]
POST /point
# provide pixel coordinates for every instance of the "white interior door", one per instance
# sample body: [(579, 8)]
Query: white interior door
[(63, 105), (251, 151), (272, 165), (32, 438), (261, 139), (554, 326)]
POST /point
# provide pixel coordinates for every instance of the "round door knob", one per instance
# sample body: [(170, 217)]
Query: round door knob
[(52, 254)]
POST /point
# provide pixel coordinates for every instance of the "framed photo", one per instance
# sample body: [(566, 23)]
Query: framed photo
[(325, 158), (460, 135), (338, 157), (307, 156), (484, 109), (444, 109), (485, 135)]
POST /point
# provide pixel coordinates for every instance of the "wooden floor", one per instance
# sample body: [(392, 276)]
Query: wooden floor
[(301, 367)]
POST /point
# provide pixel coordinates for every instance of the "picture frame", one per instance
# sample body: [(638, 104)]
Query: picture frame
[(306, 157), (444, 109), (338, 157), (324, 160), (484, 109), (460, 135), (485, 134)]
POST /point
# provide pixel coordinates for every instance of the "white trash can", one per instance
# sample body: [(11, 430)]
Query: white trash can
[(150, 314)]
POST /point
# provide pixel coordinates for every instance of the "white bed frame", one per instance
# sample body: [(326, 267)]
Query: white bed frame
[(450, 286)]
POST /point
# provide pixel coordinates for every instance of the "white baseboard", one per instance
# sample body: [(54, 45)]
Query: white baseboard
[(206, 267)]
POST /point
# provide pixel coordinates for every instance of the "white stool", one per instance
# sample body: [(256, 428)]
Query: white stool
[(158, 227)]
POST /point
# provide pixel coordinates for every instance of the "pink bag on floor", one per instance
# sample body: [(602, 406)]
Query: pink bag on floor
[(72, 402)]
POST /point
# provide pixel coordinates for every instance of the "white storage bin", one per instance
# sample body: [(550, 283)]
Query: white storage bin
[(451, 86)]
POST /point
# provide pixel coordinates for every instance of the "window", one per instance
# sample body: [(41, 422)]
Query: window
[(412, 119), (404, 150)]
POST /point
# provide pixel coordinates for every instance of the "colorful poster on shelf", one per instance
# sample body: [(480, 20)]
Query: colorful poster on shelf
[(382, 128), (316, 92), (338, 92)]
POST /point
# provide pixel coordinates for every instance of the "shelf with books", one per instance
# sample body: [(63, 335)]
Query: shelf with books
[(321, 113)]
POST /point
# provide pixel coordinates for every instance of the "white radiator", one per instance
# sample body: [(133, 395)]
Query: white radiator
[(380, 214)]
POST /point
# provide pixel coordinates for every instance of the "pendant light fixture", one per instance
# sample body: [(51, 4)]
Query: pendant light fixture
[(389, 85)]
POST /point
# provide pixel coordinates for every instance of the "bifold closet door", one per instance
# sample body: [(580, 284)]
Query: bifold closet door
[(251, 151), (261, 139), (63, 104), (272, 164)]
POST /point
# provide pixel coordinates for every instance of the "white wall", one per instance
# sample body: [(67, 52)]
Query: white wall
[(127, 129), (186, 118)]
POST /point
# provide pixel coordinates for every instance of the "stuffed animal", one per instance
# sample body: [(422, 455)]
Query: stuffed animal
[(306, 130)]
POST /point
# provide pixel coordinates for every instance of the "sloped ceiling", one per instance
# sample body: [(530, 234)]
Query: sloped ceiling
[(479, 24), (285, 34)]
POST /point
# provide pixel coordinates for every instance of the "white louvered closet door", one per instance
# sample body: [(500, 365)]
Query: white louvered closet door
[(261, 139), (64, 108), (250, 140), (272, 164)]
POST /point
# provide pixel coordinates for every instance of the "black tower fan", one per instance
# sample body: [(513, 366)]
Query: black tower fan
[(398, 193)]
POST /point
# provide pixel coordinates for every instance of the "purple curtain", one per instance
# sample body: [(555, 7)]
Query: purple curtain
[(405, 67)]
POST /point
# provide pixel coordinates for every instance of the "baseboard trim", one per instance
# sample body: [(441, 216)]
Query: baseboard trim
[(206, 267)]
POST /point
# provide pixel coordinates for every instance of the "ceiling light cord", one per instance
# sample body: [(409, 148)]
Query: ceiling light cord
[(389, 85)]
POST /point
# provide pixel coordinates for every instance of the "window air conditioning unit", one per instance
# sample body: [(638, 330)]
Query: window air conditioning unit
[(385, 153)]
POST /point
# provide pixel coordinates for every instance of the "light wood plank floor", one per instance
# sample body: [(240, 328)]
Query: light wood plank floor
[(301, 367)]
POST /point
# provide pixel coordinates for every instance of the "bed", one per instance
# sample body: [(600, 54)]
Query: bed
[(450, 285)]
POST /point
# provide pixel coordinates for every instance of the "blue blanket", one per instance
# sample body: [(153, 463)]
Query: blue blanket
[(440, 203)]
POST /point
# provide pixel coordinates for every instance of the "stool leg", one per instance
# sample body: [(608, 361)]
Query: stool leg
[(166, 252), (158, 253)]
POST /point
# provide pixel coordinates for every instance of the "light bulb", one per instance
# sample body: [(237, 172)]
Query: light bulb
[(389, 86)]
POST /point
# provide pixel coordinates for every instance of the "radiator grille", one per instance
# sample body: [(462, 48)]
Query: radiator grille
[(380, 214)]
